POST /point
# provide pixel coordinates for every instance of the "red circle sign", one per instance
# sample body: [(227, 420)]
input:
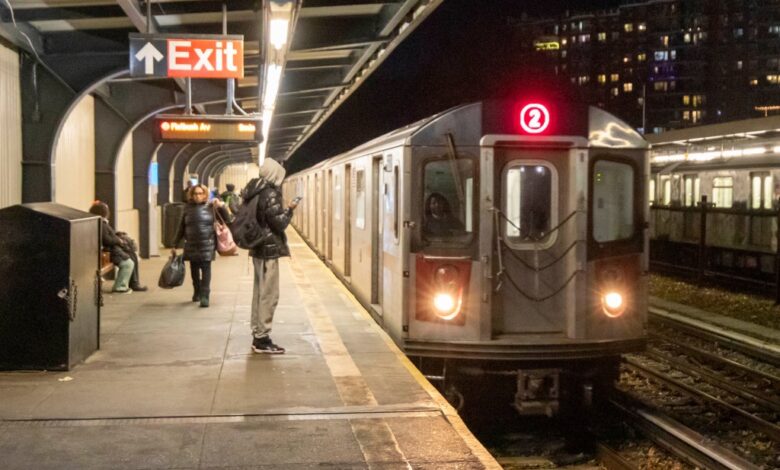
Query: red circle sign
[(534, 118)]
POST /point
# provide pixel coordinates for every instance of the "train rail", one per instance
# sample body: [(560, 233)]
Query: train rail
[(721, 384)]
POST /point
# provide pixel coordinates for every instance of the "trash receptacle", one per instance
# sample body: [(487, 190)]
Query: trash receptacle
[(49, 304), (172, 214)]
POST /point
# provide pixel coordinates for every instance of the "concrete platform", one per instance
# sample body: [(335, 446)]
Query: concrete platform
[(177, 386)]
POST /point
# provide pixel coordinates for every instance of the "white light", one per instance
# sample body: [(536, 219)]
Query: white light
[(444, 303), (278, 33), (776, 149), (613, 300), (754, 151), (273, 78)]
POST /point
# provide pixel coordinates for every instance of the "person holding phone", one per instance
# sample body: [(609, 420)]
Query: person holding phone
[(273, 218)]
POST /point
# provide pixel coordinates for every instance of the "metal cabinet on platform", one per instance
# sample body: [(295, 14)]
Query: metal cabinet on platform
[(49, 286)]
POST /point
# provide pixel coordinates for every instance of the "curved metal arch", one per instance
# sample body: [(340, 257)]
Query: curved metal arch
[(204, 162), (208, 168)]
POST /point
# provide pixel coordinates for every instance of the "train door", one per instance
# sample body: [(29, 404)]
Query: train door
[(317, 215), (534, 251), (327, 190), (376, 230), (348, 220)]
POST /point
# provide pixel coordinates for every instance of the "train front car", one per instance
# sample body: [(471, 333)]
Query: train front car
[(528, 253)]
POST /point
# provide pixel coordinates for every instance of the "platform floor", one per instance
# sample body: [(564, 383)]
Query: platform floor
[(177, 386)]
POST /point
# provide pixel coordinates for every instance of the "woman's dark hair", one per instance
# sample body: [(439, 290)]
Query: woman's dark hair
[(443, 202), (230, 187), (99, 208)]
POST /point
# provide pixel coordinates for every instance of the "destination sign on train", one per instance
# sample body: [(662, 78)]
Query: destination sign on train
[(209, 129), (194, 56)]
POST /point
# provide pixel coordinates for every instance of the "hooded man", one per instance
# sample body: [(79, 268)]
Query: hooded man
[(273, 217)]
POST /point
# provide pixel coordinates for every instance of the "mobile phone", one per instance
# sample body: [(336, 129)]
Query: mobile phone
[(297, 199)]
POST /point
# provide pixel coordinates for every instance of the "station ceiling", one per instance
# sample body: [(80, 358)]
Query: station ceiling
[(335, 46)]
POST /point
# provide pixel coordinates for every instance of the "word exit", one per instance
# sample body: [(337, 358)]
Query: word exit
[(195, 56)]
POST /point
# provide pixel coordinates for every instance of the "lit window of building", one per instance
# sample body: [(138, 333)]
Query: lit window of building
[(673, 54), (696, 116), (614, 77), (774, 29), (602, 37), (626, 59), (564, 41), (602, 78), (642, 26), (753, 81), (641, 57), (686, 100), (563, 54), (687, 37), (660, 86), (584, 37), (615, 91), (686, 115), (773, 79), (661, 55), (698, 100), (628, 87), (739, 32), (583, 79), (739, 65), (628, 27), (665, 40)]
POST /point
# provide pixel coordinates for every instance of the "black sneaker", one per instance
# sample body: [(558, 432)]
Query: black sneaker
[(196, 297), (204, 301), (139, 288), (266, 346)]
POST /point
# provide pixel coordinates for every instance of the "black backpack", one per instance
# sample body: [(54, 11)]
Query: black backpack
[(247, 232)]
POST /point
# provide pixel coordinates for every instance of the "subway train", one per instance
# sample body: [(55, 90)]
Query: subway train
[(496, 240)]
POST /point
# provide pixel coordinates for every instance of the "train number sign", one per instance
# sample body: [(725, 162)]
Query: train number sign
[(534, 118), (195, 56)]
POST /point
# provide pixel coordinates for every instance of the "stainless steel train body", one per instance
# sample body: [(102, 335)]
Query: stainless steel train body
[(537, 274)]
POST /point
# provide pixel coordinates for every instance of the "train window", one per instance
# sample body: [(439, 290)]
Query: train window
[(613, 201), (448, 200), (691, 190), (723, 191), (360, 199), (761, 190), (396, 200), (528, 203), (337, 199), (651, 191), (666, 190)]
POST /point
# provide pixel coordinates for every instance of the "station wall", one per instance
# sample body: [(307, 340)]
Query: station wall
[(74, 158), (126, 216), (10, 129)]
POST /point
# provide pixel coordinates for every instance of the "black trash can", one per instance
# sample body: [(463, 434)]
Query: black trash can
[(172, 214), (49, 302)]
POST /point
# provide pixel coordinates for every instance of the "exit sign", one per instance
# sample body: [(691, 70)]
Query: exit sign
[(207, 129), (194, 56)]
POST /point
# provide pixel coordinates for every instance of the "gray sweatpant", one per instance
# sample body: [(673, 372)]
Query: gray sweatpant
[(265, 295)]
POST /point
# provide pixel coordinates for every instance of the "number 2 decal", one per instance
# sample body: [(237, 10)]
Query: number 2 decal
[(534, 118)]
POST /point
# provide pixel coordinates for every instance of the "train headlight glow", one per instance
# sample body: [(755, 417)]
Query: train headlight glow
[(614, 304), (446, 306)]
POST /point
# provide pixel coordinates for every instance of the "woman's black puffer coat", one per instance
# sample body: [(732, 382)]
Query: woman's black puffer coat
[(197, 230)]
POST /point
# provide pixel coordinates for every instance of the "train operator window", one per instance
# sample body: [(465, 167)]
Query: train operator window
[(528, 204), (448, 200), (613, 201)]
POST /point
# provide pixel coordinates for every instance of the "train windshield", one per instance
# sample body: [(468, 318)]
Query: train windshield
[(448, 200), (613, 201)]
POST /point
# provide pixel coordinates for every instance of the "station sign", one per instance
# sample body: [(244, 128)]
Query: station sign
[(179, 56), (175, 128)]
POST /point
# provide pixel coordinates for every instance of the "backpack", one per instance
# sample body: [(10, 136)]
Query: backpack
[(247, 232)]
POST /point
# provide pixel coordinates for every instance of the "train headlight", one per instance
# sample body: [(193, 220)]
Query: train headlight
[(614, 304), (446, 305)]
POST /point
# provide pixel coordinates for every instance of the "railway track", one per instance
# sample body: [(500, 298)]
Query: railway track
[(713, 383)]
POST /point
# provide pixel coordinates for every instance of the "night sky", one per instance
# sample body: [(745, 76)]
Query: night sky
[(460, 54)]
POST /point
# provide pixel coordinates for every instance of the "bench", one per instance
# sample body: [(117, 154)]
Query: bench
[(106, 266)]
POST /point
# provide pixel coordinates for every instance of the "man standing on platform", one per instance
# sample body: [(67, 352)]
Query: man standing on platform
[(273, 219)]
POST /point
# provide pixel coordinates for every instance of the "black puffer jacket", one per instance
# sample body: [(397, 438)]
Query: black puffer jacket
[(197, 230), (271, 214), (112, 243)]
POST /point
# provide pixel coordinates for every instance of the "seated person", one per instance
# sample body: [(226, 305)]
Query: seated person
[(439, 220), (122, 254)]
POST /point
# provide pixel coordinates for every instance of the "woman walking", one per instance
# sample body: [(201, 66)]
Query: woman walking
[(200, 239)]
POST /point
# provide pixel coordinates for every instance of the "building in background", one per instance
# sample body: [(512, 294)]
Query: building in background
[(666, 64)]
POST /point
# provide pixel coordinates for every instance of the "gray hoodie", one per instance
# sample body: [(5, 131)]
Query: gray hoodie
[(272, 172)]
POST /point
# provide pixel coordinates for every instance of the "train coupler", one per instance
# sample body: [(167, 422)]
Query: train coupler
[(538, 392)]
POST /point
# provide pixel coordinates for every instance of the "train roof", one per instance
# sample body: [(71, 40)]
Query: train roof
[(500, 117)]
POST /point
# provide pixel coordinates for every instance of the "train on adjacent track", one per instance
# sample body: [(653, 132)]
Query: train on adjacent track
[(499, 238)]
